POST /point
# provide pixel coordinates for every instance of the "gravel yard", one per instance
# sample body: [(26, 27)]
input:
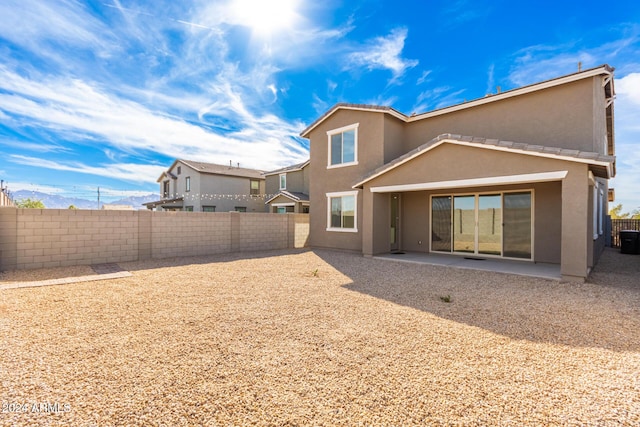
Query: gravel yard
[(321, 338)]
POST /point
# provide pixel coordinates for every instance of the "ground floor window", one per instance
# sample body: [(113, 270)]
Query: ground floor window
[(495, 224), (342, 211), (208, 209), (240, 209), (188, 208), (284, 209)]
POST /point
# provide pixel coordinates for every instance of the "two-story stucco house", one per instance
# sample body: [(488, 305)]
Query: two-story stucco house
[(288, 189), (522, 174), (207, 187)]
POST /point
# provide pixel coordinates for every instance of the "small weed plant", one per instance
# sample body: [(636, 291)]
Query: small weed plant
[(446, 298)]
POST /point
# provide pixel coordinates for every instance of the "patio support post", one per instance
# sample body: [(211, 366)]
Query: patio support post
[(575, 223), (375, 222)]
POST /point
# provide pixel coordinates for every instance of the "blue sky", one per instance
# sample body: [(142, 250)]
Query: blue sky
[(108, 93)]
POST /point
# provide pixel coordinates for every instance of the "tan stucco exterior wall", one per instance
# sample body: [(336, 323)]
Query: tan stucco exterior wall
[(323, 180), (547, 205), (563, 116), (561, 208)]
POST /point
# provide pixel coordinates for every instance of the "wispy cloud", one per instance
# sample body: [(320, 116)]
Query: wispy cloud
[(384, 53), (490, 78), (438, 97), (542, 62), (423, 77), (462, 11), (123, 171)]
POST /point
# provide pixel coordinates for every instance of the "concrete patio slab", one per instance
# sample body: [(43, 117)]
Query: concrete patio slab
[(522, 268)]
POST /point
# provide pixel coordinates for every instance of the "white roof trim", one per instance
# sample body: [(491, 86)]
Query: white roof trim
[(474, 182)]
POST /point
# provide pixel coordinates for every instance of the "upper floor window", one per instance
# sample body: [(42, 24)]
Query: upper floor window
[(165, 189), (187, 184), (343, 146), (179, 170), (255, 187), (283, 181)]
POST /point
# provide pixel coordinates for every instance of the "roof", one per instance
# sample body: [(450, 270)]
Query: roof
[(216, 169), (596, 71), (151, 205), (295, 196), (600, 164), (292, 168)]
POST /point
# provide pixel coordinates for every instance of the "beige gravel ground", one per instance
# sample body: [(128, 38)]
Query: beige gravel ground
[(322, 338)]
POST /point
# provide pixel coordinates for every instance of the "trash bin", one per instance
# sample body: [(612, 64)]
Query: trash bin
[(630, 242)]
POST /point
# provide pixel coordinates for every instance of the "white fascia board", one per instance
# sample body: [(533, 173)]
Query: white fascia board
[(474, 182)]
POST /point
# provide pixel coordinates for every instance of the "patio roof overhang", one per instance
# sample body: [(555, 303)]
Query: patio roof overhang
[(474, 182), (600, 165)]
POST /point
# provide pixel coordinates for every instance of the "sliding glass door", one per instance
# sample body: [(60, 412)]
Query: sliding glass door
[(441, 223), (464, 223), (517, 225), (496, 224), (489, 224)]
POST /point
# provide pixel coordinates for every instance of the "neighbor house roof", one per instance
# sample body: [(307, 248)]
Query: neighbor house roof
[(601, 70), (293, 195), (600, 165), (151, 205), (216, 169), (292, 168)]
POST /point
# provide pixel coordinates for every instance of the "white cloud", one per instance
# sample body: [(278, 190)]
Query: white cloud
[(123, 171), (384, 53), (77, 111), (437, 97), (627, 131), (423, 78)]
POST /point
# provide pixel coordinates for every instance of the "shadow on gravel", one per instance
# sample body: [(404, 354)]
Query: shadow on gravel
[(603, 313)]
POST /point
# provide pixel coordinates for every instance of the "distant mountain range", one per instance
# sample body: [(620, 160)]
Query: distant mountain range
[(52, 201)]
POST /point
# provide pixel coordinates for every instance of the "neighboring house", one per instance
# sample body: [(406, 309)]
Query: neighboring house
[(288, 189), (521, 174), (5, 198), (207, 187)]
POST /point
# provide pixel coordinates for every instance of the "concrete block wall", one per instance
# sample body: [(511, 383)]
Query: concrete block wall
[(189, 234), (39, 238), (262, 231), (55, 237)]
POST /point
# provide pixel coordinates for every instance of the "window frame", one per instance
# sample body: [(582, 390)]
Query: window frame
[(166, 189), (187, 184), (280, 181), (342, 130), (342, 194), (252, 191), (208, 208)]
